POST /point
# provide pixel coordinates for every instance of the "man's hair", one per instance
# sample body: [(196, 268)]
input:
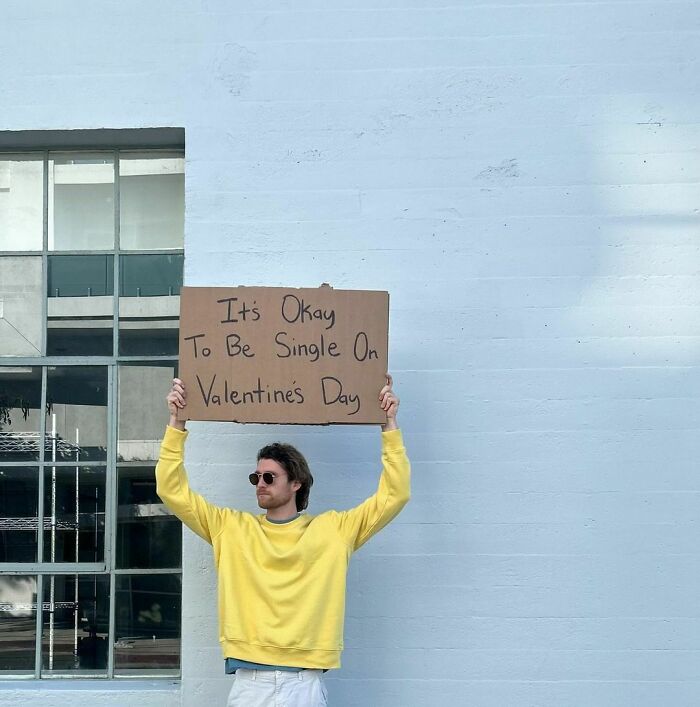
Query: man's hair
[(294, 463)]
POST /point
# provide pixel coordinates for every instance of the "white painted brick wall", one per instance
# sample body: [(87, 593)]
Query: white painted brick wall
[(523, 177)]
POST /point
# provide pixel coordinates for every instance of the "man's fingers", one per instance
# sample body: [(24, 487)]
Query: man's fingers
[(387, 388), (177, 395), (388, 401), (178, 387)]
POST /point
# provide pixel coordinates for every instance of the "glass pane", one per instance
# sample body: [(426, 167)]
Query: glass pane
[(81, 275), (152, 194), (80, 305), (75, 624), (21, 297), (149, 306), (142, 410), (74, 514), (147, 623), (81, 202), (76, 416), (21, 202), (20, 419), (153, 275), (148, 534), (17, 623), (19, 508)]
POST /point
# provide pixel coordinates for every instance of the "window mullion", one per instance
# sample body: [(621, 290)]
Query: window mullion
[(112, 417), (42, 455), (10, 568), (45, 257), (112, 623), (116, 288), (42, 416), (39, 621), (111, 507)]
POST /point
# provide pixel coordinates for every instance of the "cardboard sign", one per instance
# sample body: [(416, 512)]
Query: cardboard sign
[(285, 355)]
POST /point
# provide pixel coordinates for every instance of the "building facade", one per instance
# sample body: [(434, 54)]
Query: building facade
[(522, 178)]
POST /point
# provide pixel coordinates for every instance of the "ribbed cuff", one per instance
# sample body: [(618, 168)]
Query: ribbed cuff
[(174, 438), (392, 439)]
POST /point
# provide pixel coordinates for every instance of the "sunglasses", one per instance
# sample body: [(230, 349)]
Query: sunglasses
[(267, 476)]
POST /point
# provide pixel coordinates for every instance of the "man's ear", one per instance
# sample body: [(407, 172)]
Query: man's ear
[(296, 485)]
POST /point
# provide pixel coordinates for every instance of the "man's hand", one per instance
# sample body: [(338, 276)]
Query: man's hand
[(390, 404), (177, 399)]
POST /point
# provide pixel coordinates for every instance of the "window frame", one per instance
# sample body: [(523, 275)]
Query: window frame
[(42, 569)]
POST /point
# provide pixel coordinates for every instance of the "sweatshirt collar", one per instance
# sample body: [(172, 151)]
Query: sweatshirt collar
[(282, 522)]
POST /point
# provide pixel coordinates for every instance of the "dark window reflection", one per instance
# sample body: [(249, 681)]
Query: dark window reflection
[(148, 534), (19, 504), (148, 341), (74, 507), (76, 423), (150, 275), (80, 305), (68, 341), (149, 306), (148, 622), (75, 624), (20, 419), (17, 623), (81, 275)]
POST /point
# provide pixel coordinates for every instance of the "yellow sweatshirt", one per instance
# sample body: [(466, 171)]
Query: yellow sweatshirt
[(282, 586)]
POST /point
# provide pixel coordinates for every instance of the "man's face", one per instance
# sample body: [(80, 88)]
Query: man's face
[(280, 491)]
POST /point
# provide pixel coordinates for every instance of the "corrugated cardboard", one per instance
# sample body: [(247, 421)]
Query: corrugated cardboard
[(283, 355)]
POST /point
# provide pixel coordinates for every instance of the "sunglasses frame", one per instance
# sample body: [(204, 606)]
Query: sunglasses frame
[(267, 476)]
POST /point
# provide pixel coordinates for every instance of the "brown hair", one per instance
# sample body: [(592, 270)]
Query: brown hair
[(296, 466)]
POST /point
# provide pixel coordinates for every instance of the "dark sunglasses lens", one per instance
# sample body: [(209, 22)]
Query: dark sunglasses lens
[(267, 477)]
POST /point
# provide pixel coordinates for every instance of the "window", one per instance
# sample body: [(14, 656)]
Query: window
[(91, 260)]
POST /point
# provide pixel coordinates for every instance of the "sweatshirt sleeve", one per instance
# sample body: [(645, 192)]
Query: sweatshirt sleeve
[(359, 524), (172, 486)]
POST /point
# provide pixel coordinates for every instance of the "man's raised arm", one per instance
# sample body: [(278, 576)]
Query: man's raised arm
[(172, 485), (359, 524)]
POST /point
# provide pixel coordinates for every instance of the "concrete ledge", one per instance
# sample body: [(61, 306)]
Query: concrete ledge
[(73, 685)]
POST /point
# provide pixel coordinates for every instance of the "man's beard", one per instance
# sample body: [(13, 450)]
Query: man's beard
[(268, 502)]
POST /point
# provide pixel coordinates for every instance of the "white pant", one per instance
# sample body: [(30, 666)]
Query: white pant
[(278, 688)]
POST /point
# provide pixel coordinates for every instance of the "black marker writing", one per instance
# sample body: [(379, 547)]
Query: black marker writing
[(233, 347), (332, 391), (361, 350), (295, 310), (312, 351), (243, 311), (205, 350)]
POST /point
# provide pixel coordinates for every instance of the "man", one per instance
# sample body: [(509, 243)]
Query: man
[(282, 574)]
